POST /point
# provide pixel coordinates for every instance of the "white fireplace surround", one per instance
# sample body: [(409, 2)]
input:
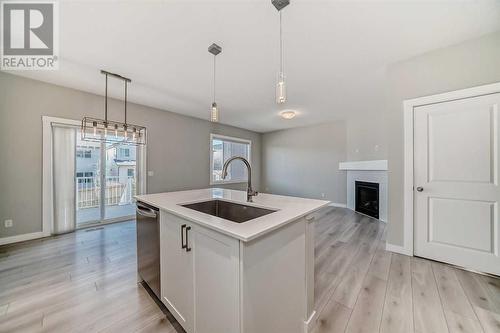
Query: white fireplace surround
[(367, 171)]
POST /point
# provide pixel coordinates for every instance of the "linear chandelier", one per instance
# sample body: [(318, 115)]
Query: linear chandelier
[(109, 131)]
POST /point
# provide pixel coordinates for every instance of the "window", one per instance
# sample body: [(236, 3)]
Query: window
[(84, 177), (130, 172), (222, 149), (125, 152), (84, 153)]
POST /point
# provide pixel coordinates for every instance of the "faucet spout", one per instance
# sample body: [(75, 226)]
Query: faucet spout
[(250, 192)]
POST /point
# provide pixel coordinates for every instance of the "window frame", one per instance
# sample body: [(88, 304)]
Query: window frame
[(213, 137), (124, 152), (48, 178)]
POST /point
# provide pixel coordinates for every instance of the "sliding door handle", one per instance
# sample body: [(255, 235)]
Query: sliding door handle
[(183, 246), (187, 239)]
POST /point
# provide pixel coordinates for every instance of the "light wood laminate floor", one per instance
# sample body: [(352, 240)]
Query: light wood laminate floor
[(86, 282), (360, 287), (80, 282)]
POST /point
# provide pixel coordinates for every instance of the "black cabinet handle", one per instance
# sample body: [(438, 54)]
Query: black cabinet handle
[(183, 246), (187, 239)]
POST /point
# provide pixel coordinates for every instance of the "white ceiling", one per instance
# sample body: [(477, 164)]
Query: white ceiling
[(335, 52)]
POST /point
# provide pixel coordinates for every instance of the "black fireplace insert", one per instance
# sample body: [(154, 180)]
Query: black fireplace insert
[(367, 198)]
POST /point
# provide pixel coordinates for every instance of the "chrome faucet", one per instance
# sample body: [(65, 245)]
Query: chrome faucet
[(250, 192)]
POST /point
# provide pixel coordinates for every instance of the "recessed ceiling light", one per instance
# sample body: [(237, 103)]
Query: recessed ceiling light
[(287, 114)]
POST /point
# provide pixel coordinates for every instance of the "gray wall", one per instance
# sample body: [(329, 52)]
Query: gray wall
[(178, 146), (465, 65), (366, 138), (305, 162)]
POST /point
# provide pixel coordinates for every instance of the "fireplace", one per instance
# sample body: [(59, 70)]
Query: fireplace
[(367, 198)]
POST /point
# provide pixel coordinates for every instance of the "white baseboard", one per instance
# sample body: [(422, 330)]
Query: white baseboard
[(336, 204), (309, 323), (398, 249), (23, 237)]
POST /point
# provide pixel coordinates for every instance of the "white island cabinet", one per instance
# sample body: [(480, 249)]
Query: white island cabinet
[(219, 276), (200, 280)]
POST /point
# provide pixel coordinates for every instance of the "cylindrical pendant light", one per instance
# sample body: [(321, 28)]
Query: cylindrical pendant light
[(281, 84), (214, 111)]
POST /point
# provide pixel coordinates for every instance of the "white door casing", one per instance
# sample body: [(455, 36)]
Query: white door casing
[(456, 166), (48, 177)]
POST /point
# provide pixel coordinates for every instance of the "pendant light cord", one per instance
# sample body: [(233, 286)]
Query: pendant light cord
[(282, 67), (125, 102), (215, 64), (106, 101)]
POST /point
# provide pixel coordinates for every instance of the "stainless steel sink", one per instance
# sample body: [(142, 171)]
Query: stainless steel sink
[(229, 210)]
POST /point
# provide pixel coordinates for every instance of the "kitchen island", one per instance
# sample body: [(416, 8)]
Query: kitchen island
[(228, 265)]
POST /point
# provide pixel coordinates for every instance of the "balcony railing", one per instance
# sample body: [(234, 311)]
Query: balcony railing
[(118, 191)]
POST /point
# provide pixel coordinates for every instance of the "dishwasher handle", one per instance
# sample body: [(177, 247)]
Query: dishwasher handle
[(146, 211)]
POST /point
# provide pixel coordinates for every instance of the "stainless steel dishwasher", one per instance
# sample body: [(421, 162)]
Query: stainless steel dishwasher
[(148, 246)]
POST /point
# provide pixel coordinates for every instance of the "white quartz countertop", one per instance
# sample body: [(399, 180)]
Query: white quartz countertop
[(288, 210)]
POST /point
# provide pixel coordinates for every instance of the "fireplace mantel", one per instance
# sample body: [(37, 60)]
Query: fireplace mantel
[(376, 165)]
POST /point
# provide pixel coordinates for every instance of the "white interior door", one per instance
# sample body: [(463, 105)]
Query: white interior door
[(456, 182)]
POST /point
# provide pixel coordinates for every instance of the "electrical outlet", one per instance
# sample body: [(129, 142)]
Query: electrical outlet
[(322, 195), (151, 173), (8, 223)]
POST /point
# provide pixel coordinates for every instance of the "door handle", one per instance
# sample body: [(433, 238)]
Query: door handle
[(187, 239), (420, 189), (183, 246)]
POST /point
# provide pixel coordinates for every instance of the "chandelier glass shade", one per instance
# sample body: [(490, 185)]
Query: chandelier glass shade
[(94, 129)]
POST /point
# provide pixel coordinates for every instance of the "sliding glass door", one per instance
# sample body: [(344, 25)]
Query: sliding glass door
[(105, 181), (120, 181), (88, 181)]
